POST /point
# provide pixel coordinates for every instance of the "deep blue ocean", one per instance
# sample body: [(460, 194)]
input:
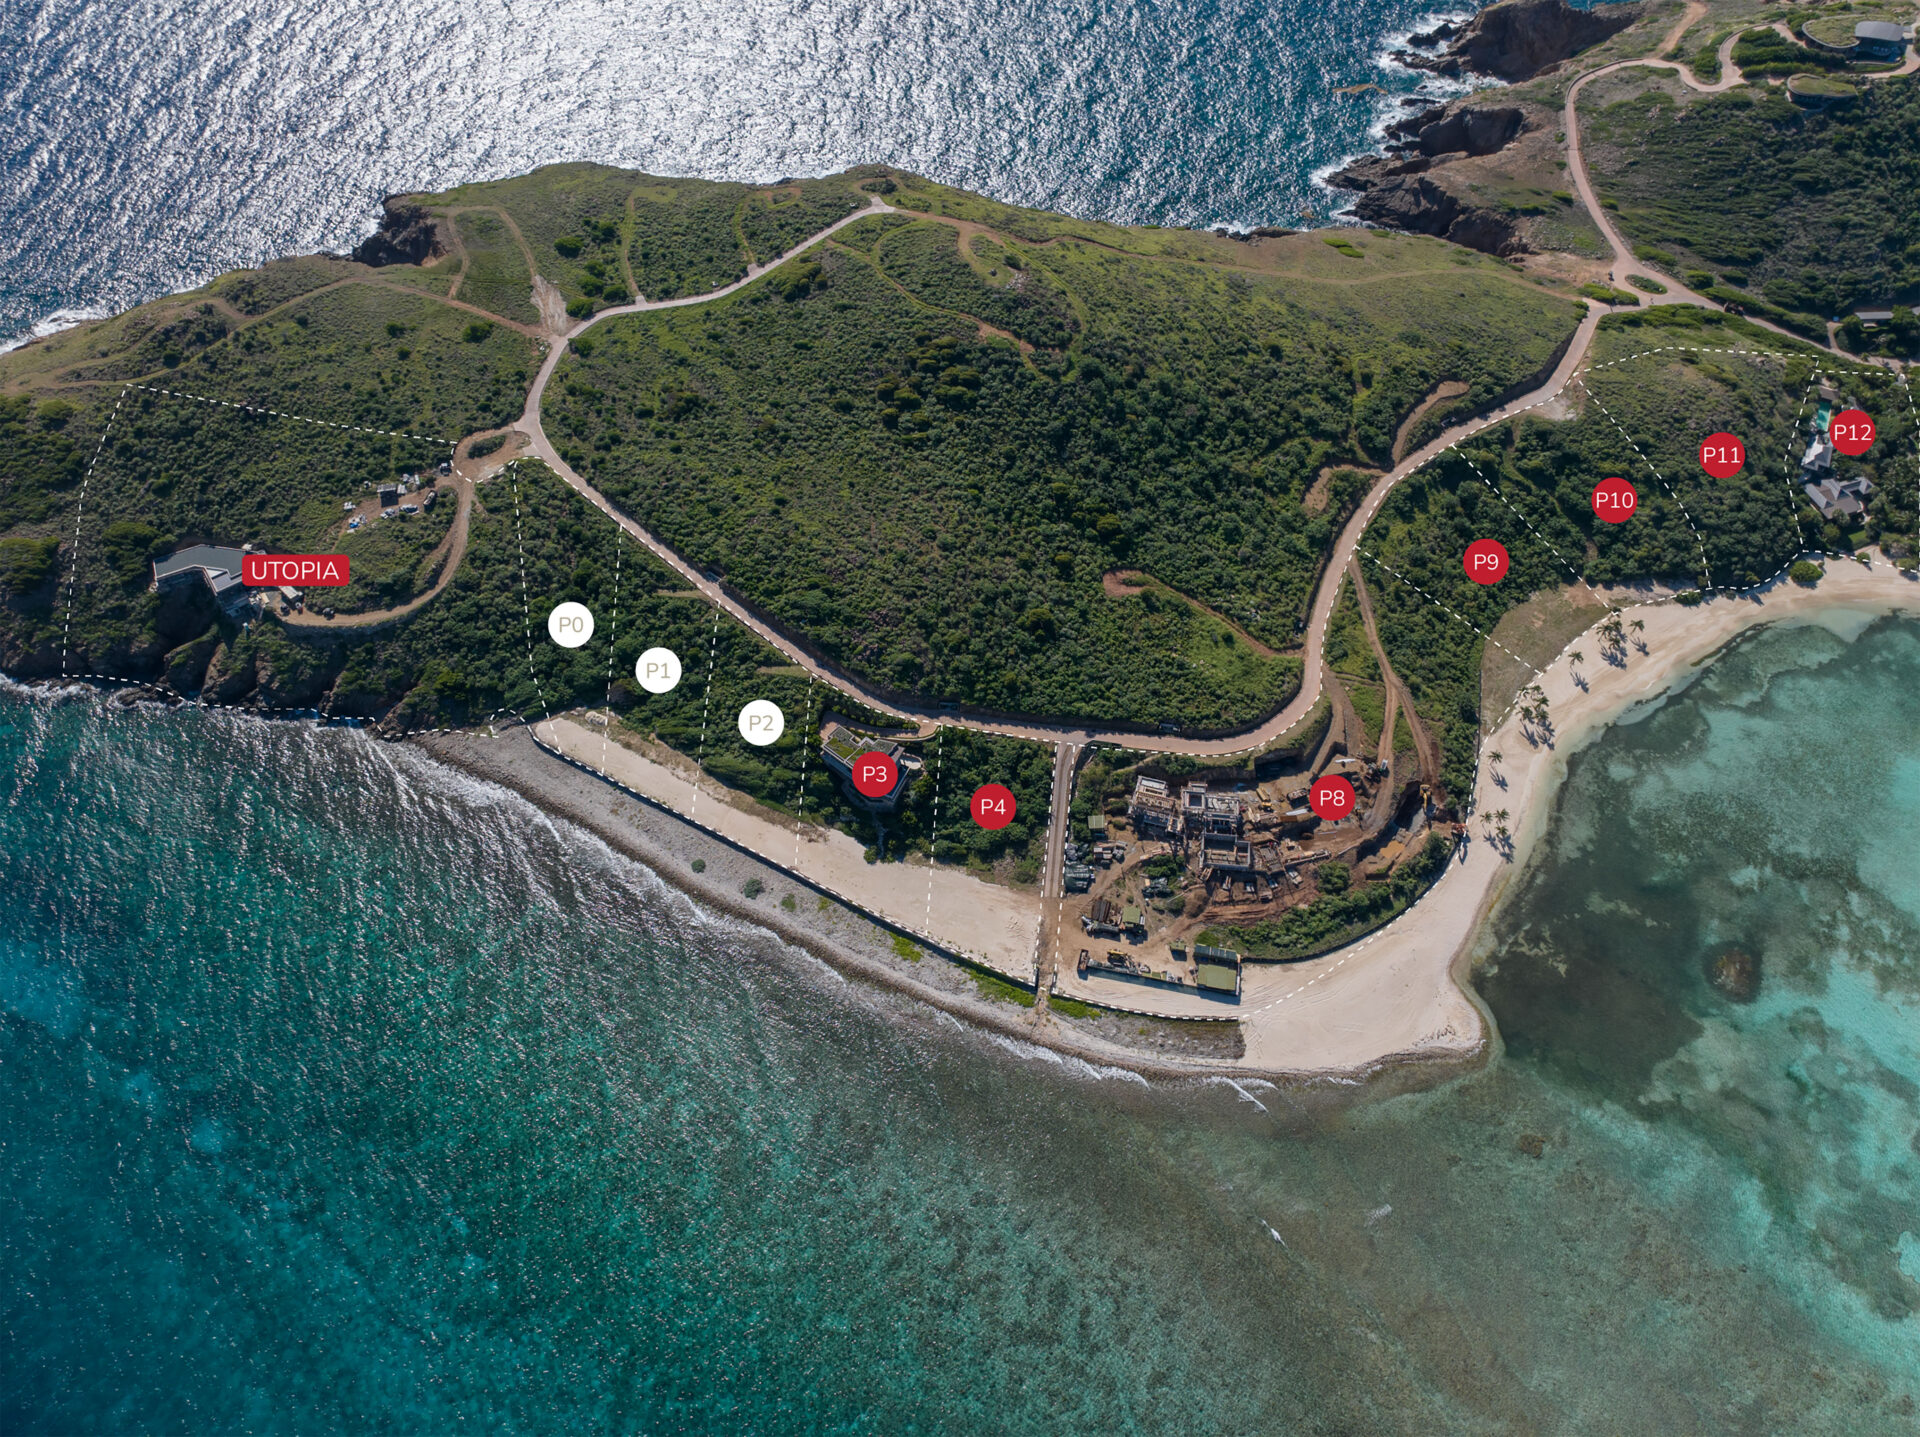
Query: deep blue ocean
[(147, 146), (343, 1094)]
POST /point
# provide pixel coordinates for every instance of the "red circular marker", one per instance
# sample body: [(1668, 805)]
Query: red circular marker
[(874, 774), (1331, 798), (1722, 454), (993, 805), (1485, 561), (1614, 500), (1851, 431)]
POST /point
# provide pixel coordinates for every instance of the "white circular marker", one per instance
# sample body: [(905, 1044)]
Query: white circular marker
[(570, 625), (658, 670), (762, 723)]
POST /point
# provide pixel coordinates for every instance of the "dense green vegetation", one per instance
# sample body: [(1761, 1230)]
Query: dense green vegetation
[(1348, 650), (1797, 215), (1528, 484), (939, 508), (935, 509)]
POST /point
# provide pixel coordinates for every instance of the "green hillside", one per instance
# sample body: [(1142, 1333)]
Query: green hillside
[(922, 447), (1759, 202), (924, 444), (1659, 382)]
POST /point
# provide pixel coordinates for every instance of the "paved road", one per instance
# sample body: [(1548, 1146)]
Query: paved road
[(1066, 758)]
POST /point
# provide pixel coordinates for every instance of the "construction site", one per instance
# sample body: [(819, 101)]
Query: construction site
[(1166, 858)]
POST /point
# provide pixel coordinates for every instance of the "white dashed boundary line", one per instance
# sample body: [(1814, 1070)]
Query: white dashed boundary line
[(613, 632), (1066, 826), (1786, 460), (706, 701), (806, 752), (933, 832), (526, 600), (1706, 565), (296, 418), (79, 511), (1551, 548)]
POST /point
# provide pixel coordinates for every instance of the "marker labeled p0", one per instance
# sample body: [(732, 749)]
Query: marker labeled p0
[(570, 625)]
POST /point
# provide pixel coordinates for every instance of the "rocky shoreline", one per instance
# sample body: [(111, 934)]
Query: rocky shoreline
[(1406, 187)]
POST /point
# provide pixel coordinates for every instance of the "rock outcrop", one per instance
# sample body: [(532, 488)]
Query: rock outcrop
[(407, 235), (1468, 131), (1396, 191), (1518, 39), (1418, 204), (1735, 974)]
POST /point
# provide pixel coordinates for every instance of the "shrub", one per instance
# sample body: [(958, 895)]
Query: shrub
[(569, 246), (25, 563), (699, 865), (753, 888), (477, 332), (129, 545), (1806, 572)]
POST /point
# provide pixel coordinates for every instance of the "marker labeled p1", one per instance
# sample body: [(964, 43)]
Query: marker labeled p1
[(657, 671)]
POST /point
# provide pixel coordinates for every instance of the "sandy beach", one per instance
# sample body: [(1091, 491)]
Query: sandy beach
[(1401, 994), (1396, 1000), (845, 940), (988, 922)]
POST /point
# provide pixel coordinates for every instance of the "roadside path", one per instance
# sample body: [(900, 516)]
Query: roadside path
[(1428, 756), (1730, 76)]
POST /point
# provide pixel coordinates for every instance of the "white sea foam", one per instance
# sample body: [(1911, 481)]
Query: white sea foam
[(51, 325)]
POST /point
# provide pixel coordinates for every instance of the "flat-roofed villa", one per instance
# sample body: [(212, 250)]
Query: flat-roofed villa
[(214, 565), (841, 747), (1879, 40)]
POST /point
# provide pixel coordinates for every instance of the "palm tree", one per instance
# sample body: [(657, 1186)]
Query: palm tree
[(1577, 658), (1496, 758)]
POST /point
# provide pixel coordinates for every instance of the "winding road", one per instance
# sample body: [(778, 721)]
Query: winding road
[(1070, 739), (1036, 730)]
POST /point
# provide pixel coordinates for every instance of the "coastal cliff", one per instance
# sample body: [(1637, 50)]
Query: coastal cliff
[(1517, 40), (1411, 185), (407, 235), (1397, 190)]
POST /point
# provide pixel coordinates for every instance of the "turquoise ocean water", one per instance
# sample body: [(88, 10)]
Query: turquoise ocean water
[(342, 1094)]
